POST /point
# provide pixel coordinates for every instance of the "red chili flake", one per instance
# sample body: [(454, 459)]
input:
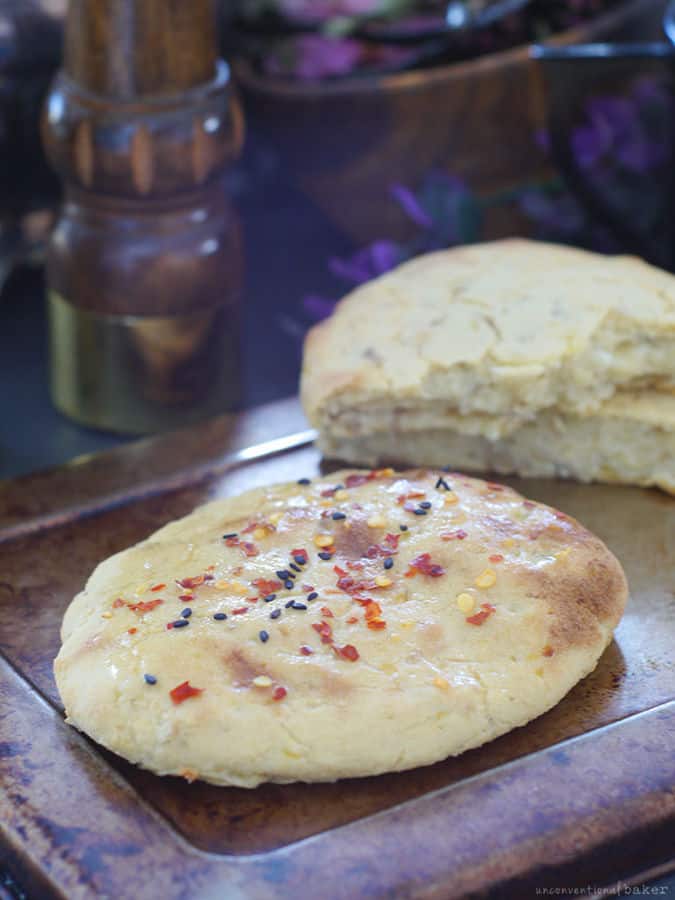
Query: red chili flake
[(547, 651), (560, 515), (306, 651), (355, 566), (496, 558), (186, 597), (308, 588), (299, 552), (279, 693), (425, 566), (350, 586), (184, 691), (373, 610), (193, 582), (134, 630), (158, 587), (232, 542), (145, 605), (458, 535), (325, 631), (357, 480), (249, 528), (346, 583), (352, 620), (169, 626), (376, 624), (325, 611), (117, 603), (411, 495), (486, 610), (529, 504), (377, 550), (391, 540), (349, 652), (339, 571), (495, 487), (252, 599), (266, 585), (249, 548), (240, 610)]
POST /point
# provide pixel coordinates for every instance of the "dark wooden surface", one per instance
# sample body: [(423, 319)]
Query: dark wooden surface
[(583, 795)]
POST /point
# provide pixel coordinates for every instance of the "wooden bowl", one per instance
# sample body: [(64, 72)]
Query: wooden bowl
[(344, 143)]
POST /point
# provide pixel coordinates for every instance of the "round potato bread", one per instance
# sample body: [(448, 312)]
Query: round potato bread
[(366, 622)]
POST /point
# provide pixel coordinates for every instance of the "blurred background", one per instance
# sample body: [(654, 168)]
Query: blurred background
[(374, 130)]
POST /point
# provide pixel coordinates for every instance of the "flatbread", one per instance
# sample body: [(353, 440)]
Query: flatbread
[(515, 356), (361, 623)]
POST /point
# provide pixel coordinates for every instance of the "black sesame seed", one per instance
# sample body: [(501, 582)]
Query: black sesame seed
[(150, 679), (425, 504), (187, 612), (219, 617), (283, 574), (312, 596), (264, 636), (324, 554), (289, 604), (180, 623), (388, 563), (442, 483), (297, 605), (232, 534), (304, 481), (299, 559), (269, 598), (275, 614), (420, 512), (295, 568), (339, 515), (403, 527), (289, 585)]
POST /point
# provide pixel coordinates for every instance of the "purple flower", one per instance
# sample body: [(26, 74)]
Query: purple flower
[(318, 307), (313, 56), (411, 205), (318, 10), (616, 128), (374, 260)]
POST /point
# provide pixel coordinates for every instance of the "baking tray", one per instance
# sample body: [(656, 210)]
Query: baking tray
[(582, 797)]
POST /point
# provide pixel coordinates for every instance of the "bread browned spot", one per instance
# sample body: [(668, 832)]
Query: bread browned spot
[(593, 594)]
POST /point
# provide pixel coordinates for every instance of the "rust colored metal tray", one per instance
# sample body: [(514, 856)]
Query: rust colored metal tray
[(583, 796)]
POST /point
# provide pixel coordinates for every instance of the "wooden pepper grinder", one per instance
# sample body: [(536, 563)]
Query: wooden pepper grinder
[(144, 265)]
